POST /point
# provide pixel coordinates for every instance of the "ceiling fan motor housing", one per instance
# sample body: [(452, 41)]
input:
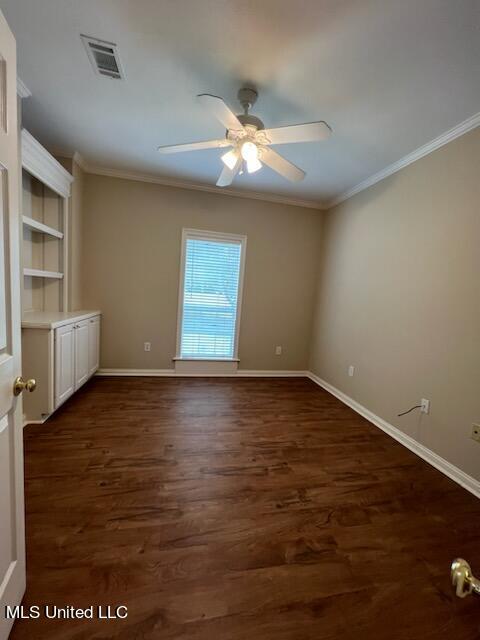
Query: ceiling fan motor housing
[(247, 119), (247, 97)]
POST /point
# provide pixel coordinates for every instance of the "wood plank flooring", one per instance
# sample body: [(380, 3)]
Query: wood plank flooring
[(236, 509)]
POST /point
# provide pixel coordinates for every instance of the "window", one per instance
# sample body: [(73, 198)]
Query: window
[(210, 295)]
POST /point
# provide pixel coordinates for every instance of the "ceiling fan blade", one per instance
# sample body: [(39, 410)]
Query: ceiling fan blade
[(217, 107), (281, 165), (227, 175), (308, 132), (195, 146)]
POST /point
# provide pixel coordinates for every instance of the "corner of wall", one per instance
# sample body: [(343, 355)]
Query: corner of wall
[(76, 236)]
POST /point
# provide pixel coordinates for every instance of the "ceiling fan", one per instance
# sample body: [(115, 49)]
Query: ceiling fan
[(250, 140)]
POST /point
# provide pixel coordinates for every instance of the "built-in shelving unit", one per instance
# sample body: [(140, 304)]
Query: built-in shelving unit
[(39, 273), (60, 347), (38, 226), (45, 199)]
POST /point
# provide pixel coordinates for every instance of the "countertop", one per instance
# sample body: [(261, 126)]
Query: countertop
[(54, 319)]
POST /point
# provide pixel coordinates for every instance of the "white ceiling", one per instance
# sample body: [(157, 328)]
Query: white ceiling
[(387, 75)]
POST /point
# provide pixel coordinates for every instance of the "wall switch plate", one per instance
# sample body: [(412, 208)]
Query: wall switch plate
[(147, 346), (351, 370), (278, 351), (425, 405), (476, 432)]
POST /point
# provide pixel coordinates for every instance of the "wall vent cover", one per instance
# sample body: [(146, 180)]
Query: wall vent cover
[(104, 57)]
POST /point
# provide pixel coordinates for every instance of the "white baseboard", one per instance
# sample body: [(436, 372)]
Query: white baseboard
[(447, 468), (171, 373), (135, 372)]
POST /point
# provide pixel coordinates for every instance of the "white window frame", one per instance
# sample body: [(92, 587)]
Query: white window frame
[(212, 236)]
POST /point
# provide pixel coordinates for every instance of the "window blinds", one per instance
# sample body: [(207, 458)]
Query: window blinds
[(210, 298)]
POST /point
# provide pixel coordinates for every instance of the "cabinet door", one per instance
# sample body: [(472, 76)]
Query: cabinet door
[(64, 363), (93, 344), (81, 353)]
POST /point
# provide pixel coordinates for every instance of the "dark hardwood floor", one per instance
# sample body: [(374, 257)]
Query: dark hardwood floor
[(242, 509)]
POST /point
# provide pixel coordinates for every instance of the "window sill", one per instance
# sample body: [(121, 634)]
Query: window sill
[(179, 358)]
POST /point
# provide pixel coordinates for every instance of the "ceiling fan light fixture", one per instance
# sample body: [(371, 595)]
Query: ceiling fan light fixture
[(250, 142), (253, 165), (249, 151), (230, 159)]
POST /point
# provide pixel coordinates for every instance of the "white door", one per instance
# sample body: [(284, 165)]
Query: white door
[(64, 363), (12, 526), (93, 344), (81, 353)]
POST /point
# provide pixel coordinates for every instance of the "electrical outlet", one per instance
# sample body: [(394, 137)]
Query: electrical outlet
[(351, 370), (425, 405), (278, 351), (476, 432), (147, 346)]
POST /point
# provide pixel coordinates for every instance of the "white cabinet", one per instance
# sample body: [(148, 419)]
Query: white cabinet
[(64, 363), (93, 344), (76, 356), (60, 350), (82, 372)]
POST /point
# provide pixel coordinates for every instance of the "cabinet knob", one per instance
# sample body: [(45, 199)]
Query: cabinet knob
[(20, 385)]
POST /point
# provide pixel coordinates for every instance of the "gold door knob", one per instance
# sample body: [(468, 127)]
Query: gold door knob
[(20, 385), (463, 579)]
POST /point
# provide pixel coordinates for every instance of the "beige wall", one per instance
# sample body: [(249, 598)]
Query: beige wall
[(399, 298), (131, 260)]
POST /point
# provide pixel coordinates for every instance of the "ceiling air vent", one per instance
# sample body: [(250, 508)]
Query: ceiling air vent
[(104, 57)]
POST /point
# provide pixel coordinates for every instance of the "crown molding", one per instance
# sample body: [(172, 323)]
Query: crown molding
[(181, 184), (41, 164), (436, 143), (22, 90), (440, 141), (80, 160)]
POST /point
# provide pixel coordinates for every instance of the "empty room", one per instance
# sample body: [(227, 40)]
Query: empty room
[(239, 320)]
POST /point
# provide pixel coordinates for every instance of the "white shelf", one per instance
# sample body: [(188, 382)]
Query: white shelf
[(39, 273), (41, 228)]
